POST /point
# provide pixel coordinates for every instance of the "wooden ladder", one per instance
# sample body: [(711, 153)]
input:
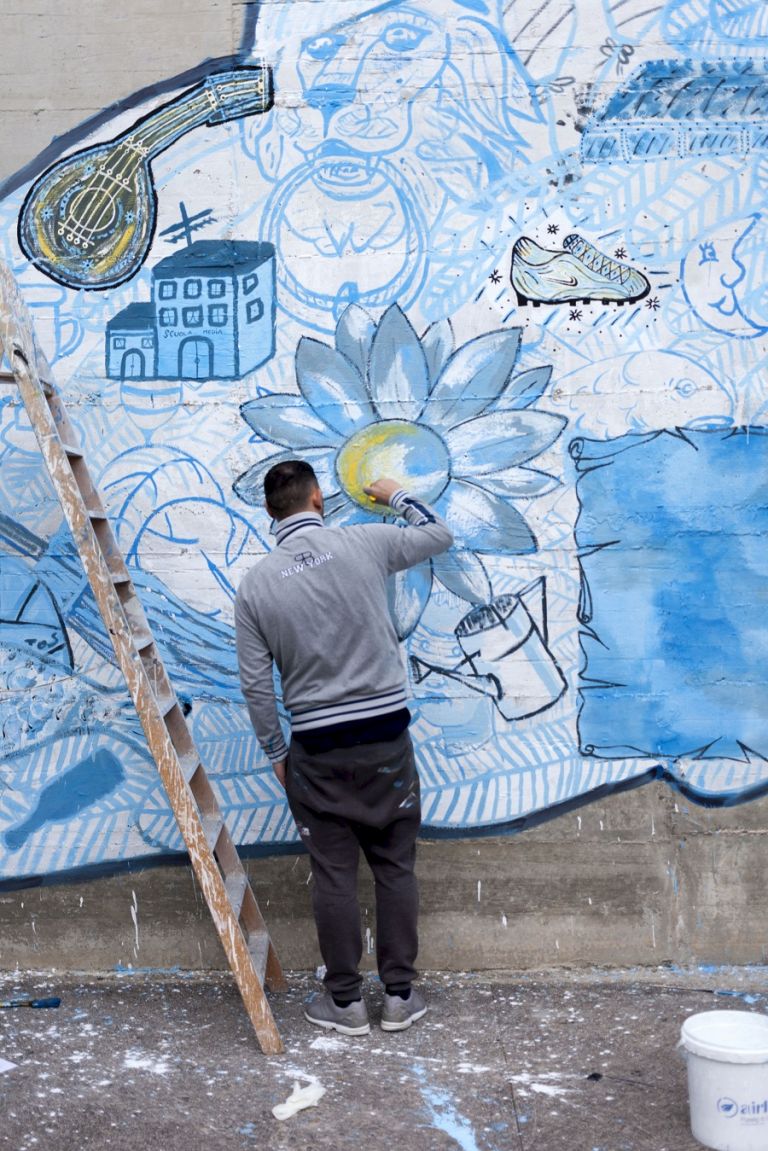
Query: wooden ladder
[(216, 863)]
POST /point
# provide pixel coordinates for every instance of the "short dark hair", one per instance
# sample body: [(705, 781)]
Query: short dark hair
[(288, 487)]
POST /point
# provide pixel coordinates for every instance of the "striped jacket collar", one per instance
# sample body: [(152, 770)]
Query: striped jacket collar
[(291, 524)]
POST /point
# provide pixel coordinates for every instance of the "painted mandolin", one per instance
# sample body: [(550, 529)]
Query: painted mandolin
[(88, 221)]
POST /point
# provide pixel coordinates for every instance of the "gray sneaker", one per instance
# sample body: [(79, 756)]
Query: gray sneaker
[(349, 1020), (401, 1013)]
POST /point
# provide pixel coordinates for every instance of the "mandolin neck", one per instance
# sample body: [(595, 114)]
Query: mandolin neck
[(222, 97)]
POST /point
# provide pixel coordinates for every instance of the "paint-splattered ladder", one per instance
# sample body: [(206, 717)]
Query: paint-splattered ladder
[(214, 857)]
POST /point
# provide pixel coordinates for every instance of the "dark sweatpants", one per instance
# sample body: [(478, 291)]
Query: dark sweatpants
[(343, 800)]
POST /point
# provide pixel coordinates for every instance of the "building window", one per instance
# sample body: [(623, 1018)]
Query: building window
[(147, 342), (192, 289), (118, 342), (249, 283), (193, 317), (167, 290), (217, 315), (168, 317), (216, 288), (254, 311)]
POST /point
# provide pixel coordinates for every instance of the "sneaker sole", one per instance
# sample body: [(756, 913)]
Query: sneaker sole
[(523, 300), (403, 1024), (328, 1025)]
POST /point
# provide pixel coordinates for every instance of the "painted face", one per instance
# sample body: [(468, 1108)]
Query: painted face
[(723, 278), (360, 76)]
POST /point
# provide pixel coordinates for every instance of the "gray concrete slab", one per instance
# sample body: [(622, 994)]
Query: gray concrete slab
[(583, 1060)]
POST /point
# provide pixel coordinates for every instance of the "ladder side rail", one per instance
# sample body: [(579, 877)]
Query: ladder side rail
[(18, 342), (208, 875)]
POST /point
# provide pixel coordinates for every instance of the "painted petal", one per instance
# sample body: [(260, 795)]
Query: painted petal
[(354, 335), (473, 378), (399, 379), (464, 574), (409, 592), (250, 485), (289, 422), (483, 522), (520, 483), (501, 440), (437, 343), (525, 389), (334, 504), (332, 387)]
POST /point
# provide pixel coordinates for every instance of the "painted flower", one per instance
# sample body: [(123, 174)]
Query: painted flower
[(455, 425)]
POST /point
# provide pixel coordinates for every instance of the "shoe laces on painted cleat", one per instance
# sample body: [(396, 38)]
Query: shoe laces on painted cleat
[(596, 260)]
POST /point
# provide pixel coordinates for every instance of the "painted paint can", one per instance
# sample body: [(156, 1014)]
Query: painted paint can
[(727, 1056)]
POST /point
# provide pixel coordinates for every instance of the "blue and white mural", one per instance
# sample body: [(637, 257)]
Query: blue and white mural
[(512, 253)]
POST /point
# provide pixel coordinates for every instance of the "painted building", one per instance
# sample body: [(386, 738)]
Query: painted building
[(211, 315), (132, 343)]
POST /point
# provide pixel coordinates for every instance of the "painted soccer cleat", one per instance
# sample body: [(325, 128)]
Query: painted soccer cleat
[(579, 273)]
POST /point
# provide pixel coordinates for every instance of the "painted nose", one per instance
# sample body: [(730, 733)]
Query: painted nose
[(327, 97), (732, 275)]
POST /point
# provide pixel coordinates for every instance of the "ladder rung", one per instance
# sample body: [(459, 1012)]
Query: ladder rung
[(120, 578), (189, 762), (258, 945), (7, 377), (73, 453), (236, 886), (142, 638), (213, 824), (165, 696), (166, 703)]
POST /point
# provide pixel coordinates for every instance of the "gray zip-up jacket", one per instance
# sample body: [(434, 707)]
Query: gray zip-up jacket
[(317, 607)]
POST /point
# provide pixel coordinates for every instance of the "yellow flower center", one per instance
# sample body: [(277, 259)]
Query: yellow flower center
[(412, 454)]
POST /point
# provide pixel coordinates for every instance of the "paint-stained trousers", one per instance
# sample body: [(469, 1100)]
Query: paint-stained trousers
[(344, 800)]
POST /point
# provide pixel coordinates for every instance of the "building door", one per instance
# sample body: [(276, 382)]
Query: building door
[(195, 358), (132, 365)]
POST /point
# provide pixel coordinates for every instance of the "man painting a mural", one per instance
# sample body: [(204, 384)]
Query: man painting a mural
[(515, 254), (510, 255), (317, 608)]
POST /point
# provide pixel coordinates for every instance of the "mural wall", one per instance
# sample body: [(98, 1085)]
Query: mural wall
[(512, 252)]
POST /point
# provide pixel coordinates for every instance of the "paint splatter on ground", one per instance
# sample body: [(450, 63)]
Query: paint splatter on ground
[(556, 1061)]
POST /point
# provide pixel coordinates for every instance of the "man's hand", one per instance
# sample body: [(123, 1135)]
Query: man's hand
[(279, 770), (382, 490)]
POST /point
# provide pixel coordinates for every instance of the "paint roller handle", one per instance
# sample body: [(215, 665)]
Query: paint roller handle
[(52, 1001)]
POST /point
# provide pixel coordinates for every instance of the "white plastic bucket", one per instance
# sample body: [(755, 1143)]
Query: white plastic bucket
[(727, 1054)]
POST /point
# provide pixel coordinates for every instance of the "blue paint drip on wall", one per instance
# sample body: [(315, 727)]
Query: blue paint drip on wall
[(672, 534)]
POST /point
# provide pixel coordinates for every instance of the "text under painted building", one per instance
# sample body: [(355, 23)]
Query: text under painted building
[(211, 315)]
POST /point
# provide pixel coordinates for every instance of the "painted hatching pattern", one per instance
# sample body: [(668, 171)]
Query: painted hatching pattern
[(516, 251)]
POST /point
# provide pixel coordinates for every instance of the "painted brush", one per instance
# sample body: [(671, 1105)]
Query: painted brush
[(22, 1001)]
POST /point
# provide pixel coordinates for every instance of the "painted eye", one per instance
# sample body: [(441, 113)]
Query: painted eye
[(403, 38), (686, 388), (324, 47)]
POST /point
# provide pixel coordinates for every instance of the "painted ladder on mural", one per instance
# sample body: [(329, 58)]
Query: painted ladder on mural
[(217, 866)]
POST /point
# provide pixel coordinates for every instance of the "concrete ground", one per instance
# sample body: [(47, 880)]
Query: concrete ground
[(548, 1061)]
